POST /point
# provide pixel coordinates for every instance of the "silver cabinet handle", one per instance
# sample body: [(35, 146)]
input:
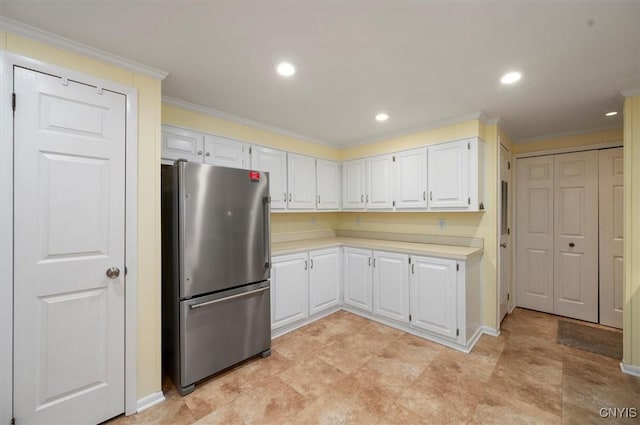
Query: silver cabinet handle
[(285, 197), (113, 272), (208, 154), (199, 152), (305, 264), (424, 195), (374, 262), (318, 198), (244, 294), (289, 196), (369, 260), (413, 269), (311, 263), (571, 245), (504, 244), (431, 195), (361, 198), (367, 198)]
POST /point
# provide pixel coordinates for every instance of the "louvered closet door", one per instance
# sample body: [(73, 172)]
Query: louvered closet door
[(576, 235)]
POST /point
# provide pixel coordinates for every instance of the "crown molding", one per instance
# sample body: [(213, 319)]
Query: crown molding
[(240, 120), (566, 134), (72, 46), (430, 126), (630, 93)]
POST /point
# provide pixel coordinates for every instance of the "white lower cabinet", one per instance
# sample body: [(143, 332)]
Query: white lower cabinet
[(434, 300), (357, 278), (391, 285), (324, 279), (289, 289)]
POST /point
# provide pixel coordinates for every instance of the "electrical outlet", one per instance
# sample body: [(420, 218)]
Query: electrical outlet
[(442, 223), (358, 221)]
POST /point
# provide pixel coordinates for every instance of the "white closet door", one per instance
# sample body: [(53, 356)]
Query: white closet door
[(69, 242), (576, 235), (611, 239), (534, 236)]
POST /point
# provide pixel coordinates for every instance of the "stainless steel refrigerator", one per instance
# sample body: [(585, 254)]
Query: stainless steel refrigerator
[(216, 259)]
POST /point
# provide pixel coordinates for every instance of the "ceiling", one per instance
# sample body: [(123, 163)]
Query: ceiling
[(424, 62)]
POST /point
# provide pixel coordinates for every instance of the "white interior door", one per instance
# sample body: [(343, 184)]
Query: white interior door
[(505, 230), (69, 230), (611, 240), (576, 235), (534, 234)]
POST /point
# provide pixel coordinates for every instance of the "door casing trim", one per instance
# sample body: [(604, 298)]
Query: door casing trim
[(7, 62)]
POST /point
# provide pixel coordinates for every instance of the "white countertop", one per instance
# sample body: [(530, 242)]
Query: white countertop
[(431, 250)]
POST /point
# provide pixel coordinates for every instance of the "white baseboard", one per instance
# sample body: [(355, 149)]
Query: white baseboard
[(490, 331), (630, 369), (148, 401)]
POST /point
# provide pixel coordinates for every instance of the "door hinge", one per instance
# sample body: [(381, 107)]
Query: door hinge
[(508, 296), (13, 421), (508, 165), (409, 317), (469, 201), (469, 146), (250, 150), (508, 230), (394, 203), (457, 267), (409, 260), (13, 101), (126, 270), (394, 158), (457, 332)]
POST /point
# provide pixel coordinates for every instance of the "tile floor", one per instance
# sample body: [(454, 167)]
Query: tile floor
[(345, 369)]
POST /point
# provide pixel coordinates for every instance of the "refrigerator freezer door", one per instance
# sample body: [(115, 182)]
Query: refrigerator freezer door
[(217, 331), (224, 231)]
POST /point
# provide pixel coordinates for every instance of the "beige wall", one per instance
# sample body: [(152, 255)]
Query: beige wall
[(149, 352), (631, 293), (579, 140)]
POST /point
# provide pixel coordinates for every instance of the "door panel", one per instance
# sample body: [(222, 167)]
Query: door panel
[(353, 184), (328, 184), (275, 163), (576, 235), (611, 236), (301, 181), (178, 143), (391, 285), (411, 179), (505, 231), (357, 278), (448, 175), (324, 279), (289, 286), (534, 243), (379, 182), (224, 152), (69, 229)]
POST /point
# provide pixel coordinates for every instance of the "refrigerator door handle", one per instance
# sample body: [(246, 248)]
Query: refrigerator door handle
[(244, 294), (267, 231)]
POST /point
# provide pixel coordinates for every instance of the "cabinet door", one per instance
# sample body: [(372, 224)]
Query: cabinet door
[(353, 184), (274, 162), (434, 295), (357, 278), (324, 279), (301, 182), (178, 143), (224, 152), (391, 285), (289, 289), (448, 175), (379, 182), (411, 179), (328, 184)]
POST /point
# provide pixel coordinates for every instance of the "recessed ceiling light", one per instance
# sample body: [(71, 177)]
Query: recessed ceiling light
[(382, 116), (511, 77), (611, 114), (286, 69)]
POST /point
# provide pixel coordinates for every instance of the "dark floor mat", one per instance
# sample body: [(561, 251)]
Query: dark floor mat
[(607, 342)]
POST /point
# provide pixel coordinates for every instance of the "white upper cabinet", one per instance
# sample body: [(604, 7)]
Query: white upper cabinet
[(225, 152), (328, 183), (179, 143), (379, 182), (301, 182), (391, 285), (411, 179), (455, 172), (353, 184), (274, 162)]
